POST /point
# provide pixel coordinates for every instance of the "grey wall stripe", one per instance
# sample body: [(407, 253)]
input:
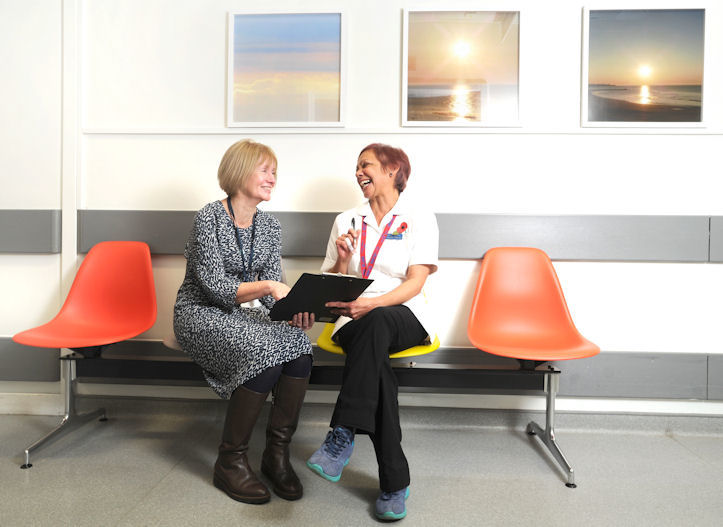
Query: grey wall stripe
[(164, 231), (716, 239), (305, 233), (649, 375), (619, 238), (25, 363), (715, 377), (30, 231), (612, 238)]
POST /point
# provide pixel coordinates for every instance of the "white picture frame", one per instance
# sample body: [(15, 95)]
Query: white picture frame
[(626, 85), (286, 69), (444, 80)]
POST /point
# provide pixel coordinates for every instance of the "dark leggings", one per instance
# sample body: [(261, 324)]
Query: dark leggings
[(299, 367)]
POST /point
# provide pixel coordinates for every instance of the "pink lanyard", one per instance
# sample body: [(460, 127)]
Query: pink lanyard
[(367, 269)]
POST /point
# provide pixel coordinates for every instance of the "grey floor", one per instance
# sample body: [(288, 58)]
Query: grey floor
[(150, 464)]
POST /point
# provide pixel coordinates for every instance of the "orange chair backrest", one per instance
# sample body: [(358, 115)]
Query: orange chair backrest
[(114, 285), (518, 293)]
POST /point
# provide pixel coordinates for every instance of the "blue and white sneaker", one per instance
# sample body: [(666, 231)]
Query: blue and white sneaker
[(333, 454), (391, 506)]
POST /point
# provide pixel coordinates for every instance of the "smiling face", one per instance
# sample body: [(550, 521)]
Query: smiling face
[(373, 179), (262, 181)]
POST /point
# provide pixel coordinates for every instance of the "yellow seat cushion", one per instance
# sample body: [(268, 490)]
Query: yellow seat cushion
[(326, 343)]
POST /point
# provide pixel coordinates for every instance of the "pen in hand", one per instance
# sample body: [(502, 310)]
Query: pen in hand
[(353, 228)]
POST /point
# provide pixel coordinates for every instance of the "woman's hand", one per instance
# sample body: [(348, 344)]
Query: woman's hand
[(302, 320), (278, 290), (248, 291), (346, 245), (412, 285), (355, 309)]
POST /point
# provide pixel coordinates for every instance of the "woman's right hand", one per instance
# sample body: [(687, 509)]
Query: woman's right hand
[(346, 245), (248, 291), (278, 290)]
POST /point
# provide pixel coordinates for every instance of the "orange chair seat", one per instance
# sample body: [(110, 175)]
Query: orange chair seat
[(112, 299), (519, 309), (534, 347), (64, 333)]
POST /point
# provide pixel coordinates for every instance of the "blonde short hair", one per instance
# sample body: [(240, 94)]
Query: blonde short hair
[(240, 161)]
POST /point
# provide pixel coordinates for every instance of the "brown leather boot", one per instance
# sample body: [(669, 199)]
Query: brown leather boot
[(288, 398), (232, 473)]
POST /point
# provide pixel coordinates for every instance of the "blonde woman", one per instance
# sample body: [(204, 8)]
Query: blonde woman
[(233, 278)]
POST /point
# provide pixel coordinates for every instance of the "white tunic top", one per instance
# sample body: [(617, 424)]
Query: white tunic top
[(412, 239)]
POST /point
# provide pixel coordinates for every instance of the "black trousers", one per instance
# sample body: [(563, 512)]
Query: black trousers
[(368, 396)]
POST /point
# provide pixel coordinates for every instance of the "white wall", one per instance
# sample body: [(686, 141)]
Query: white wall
[(30, 109), (151, 108), (29, 151)]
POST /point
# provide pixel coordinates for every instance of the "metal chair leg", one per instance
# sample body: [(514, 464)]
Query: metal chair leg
[(547, 436), (71, 420)]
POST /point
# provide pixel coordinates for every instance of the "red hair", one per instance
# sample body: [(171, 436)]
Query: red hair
[(392, 158)]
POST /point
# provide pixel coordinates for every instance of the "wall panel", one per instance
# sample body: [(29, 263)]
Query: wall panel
[(30, 112)]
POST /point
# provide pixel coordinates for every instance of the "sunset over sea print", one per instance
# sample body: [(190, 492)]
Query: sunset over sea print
[(286, 67), (462, 67), (645, 65)]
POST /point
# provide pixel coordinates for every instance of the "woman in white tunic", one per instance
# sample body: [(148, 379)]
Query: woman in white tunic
[(396, 245)]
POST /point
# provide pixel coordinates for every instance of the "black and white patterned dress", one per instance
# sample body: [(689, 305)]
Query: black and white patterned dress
[(231, 343)]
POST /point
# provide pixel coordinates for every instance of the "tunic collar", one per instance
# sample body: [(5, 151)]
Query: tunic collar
[(399, 208)]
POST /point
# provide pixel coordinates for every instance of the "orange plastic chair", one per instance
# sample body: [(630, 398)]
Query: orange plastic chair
[(112, 298), (326, 343), (519, 311)]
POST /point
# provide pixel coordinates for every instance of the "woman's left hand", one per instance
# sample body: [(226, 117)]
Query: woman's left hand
[(355, 309), (302, 320)]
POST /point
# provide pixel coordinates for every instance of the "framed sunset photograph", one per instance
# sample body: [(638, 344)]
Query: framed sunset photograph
[(643, 67), (285, 69), (460, 68)]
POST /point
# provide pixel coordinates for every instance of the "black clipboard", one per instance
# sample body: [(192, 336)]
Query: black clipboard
[(312, 291)]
